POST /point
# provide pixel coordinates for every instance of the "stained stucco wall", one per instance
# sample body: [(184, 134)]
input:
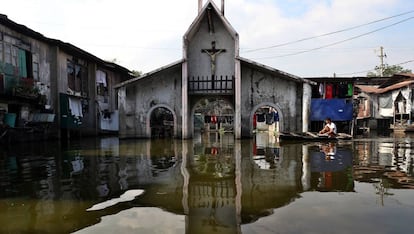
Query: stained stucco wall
[(199, 64), (138, 99), (259, 87)]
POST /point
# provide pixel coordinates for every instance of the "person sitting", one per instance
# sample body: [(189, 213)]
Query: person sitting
[(329, 129), (329, 150)]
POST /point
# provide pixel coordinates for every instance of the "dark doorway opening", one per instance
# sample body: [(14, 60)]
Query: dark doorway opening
[(162, 123)]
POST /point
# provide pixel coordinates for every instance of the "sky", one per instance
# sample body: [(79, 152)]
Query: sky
[(306, 38)]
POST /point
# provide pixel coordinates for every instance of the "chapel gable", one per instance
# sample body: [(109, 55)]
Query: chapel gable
[(210, 47)]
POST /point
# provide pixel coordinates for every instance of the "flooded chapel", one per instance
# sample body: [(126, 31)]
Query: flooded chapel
[(212, 88)]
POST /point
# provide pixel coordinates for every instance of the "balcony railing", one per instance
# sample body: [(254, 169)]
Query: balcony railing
[(211, 85)]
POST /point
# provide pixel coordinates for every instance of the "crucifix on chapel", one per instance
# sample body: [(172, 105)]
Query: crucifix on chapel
[(213, 52)]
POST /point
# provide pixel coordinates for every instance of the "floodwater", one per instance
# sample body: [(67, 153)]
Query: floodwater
[(211, 184)]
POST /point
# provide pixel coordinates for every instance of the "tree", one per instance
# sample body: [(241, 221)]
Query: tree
[(114, 60), (388, 71), (136, 73)]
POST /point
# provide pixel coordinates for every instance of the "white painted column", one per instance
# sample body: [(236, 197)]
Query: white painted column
[(186, 176), (185, 124), (200, 5), (184, 92), (306, 170), (237, 181), (306, 102), (237, 90), (237, 97)]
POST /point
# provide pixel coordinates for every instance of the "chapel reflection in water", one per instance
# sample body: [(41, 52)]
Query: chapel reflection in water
[(213, 194), (216, 182)]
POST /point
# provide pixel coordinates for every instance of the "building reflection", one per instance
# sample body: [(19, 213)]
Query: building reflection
[(271, 176), (235, 182), (212, 190), (331, 167), (266, 150), (389, 163), (216, 182)]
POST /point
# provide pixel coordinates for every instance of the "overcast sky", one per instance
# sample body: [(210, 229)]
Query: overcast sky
[(145, 35)]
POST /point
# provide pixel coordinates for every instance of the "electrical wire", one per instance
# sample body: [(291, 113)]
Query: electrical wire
[(366, 71), (327, 34), (353, 73), (339, 42)]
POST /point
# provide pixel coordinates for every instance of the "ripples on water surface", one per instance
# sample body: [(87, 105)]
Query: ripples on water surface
[(209, 184)]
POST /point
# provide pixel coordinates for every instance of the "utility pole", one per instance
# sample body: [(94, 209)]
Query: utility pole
[(382, 56)]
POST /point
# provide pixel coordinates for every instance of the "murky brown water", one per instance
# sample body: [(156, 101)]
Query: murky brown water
[(211, 184)]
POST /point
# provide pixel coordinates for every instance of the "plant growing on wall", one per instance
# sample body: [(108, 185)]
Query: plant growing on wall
[(26, 89)]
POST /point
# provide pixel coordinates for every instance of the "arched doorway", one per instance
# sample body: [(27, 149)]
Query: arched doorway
[(213, 114), (161, 123), (266, 117), (266, 124)]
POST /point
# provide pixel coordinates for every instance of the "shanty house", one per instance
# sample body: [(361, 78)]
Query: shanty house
[(49, 88), (389, 104)]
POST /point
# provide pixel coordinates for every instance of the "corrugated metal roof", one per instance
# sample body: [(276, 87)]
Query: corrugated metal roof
[(378, 90), (411, 75)]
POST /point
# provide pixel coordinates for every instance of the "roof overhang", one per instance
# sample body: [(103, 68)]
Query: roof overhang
[(272, 70), (149, 74), (379, 90)]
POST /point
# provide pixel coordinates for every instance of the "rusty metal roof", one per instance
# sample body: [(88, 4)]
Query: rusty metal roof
[(379, 90)]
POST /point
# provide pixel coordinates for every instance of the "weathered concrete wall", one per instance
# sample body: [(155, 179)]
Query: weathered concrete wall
[(260, 88), (139, 99), (199, 64), (49, 70)]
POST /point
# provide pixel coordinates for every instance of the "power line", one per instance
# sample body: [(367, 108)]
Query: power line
[(366, 71), (327, 34), (353, 73), (409, 61), (339, 42)]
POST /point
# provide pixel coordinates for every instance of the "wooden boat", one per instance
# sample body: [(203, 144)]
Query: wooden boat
[(402, 128), (409, 128), (310, 136)]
